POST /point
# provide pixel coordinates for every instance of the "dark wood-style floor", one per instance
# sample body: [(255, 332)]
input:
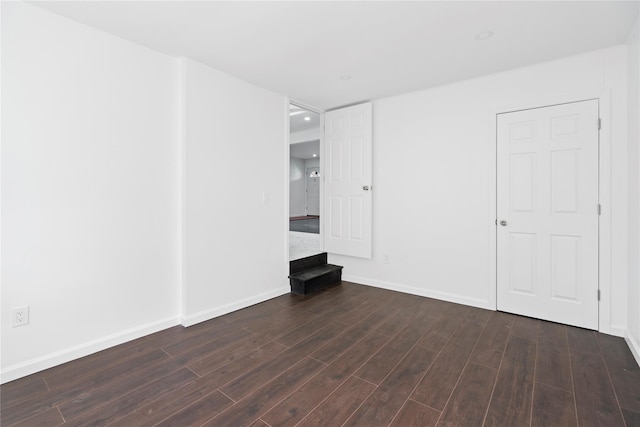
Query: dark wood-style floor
[(351, 355)]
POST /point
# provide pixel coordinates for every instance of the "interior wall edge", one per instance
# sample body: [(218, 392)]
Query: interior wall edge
[(69, 354), (615, 330), (212, 313), (634, 346), (181, 178)]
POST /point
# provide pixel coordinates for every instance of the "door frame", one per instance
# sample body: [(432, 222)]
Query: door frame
[(604, 190)]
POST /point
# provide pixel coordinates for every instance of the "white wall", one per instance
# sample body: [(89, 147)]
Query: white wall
[(297, 188), (121, 191), (633, 323), (89, 189), (234, 247), (432, 206)]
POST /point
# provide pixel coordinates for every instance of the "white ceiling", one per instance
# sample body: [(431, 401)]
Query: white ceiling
[(305, 150), (301, 119), (302, 49)]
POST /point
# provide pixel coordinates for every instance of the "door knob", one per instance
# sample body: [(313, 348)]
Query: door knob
[(503, 223), (365, 188)]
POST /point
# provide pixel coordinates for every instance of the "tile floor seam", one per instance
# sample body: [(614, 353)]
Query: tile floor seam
[(495, 382), (258, 388), (402, 358), (296, 389), (613, 387), (421, 378), (143, 385), (64, 420), (305, 337), (351, 345), (318, 360), (325, 398), (415, 344), (465, 364), (28, 418), (202, 398), (573, 384), (362, 379), (573, 391), (191, 370), (554, 387), (399, 410), (228, 397), (46, 384), (533, 381), (361, 403), (166, 352), (347, 378), (422, 404), (264, 384), (273, 357)]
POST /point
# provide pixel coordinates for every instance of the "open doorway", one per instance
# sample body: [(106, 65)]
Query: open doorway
[(304, 182)]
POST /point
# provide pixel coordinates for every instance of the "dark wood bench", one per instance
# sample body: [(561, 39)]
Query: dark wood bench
[(312, 273)]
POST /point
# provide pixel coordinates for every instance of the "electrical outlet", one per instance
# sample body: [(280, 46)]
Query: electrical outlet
[(19, 316), (386, 258)]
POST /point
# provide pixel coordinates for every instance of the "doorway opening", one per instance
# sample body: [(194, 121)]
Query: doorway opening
[(305, 176)]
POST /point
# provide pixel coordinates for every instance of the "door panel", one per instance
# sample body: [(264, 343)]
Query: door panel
[(334, 220), (565, 267), (523, 182), (348, 141), (547, 197), (564, 181), (522, 263)]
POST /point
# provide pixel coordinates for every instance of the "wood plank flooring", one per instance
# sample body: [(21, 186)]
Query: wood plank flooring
[(350, 355)]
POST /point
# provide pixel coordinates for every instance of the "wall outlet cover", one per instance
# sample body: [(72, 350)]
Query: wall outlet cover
[(19, 316)]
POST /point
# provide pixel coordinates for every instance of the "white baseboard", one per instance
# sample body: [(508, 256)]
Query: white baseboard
[(616, 331), (38, 364), (420, 292), (204, 315), (634, 346)]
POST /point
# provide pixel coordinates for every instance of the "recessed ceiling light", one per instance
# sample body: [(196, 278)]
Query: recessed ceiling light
[(306, 119), (484, 35), (345, 77), (315, 155)]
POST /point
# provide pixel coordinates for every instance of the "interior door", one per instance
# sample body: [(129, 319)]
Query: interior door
[(347, 185), (547, 205), (312, 178)]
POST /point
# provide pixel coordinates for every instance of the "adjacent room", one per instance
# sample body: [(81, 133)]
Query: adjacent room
[(467, 171), (304, 183)]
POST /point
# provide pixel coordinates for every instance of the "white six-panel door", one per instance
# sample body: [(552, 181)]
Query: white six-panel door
[(347, 182), (547, 208)]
